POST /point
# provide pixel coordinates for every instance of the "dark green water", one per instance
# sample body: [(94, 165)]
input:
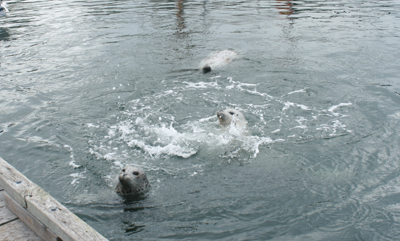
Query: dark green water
[(87, 87)]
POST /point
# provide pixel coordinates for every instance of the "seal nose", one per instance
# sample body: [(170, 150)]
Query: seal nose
[(220, 115), (206, 69)]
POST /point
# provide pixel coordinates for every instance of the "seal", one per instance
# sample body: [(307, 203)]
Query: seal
[(132, 181), (3, 8), (229, 116), (217, 59)]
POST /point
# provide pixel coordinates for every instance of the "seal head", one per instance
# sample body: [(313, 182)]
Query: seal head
[(228, 116), (217, 60), (3, 8), (132, 181)]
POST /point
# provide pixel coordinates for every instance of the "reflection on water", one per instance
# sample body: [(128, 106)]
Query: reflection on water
[(285, 7), (88, 87), (180, 19)]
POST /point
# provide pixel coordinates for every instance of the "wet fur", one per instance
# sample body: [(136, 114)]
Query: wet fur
[(226, 117), (132, 181), (217, 59), (3, 9)]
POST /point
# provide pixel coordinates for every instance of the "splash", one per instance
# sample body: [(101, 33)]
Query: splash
[(163, 140), (333, 108), (160, 126)]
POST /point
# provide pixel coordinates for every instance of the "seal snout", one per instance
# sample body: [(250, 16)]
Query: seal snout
[(221, 117), (123, 177), (132, 181), (217, 59), (206, 69), (231, 116)]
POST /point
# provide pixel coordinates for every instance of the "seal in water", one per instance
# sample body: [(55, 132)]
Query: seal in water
[(132, 181), (3, 8), (217, 59), (226, 117)]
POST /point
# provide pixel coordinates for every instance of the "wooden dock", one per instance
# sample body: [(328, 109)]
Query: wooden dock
[(27, 212), (11, 227)]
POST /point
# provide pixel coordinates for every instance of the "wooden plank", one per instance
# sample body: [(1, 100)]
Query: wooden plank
[(14, 183), (6, 215), (30, 220), (59, 219), (43, 207), (16, 231)]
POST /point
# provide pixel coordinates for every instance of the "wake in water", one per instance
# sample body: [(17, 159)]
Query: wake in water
[(175, 123), (164, 140)]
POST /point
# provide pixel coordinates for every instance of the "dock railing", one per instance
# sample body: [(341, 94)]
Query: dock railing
[(40, 211)]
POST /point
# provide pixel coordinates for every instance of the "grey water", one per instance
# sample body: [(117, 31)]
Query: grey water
[(87, 87)]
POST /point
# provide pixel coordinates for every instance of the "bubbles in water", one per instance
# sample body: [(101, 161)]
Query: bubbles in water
[(164, 124)]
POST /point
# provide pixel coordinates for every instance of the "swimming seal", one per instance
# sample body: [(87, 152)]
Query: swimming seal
[(226, 117), (3, 8), (217, 59), (132, 181)]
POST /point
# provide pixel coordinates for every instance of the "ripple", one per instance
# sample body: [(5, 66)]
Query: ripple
[(90, 86)]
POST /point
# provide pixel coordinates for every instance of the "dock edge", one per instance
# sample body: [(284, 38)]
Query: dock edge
[(40, 211)]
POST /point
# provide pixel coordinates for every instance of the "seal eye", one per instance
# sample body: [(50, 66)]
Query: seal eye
[(230, 112), (123, 170), (135, 173)]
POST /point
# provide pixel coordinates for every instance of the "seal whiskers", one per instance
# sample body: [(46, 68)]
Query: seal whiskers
[(132, 181), (231, 116)]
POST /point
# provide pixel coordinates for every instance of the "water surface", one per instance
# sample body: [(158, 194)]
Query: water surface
[(88, 87)]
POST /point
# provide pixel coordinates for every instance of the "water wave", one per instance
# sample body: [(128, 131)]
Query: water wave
[(164, 124)]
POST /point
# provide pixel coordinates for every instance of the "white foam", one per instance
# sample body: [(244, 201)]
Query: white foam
[(90, 125), (253, 143), (395, 115), (109, 156), (161, 140), (276, 131), (297, 91), (333, 108), (169, 149), (73, 164), (201, 85), (152, 133), (165, 140), (77, 176), (289, 104), (245, 87), (337, 124)]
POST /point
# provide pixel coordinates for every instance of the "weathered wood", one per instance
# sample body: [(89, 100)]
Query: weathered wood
[(6, 215), (30, 220), (43, 207), (17, 231), (14, 183)]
